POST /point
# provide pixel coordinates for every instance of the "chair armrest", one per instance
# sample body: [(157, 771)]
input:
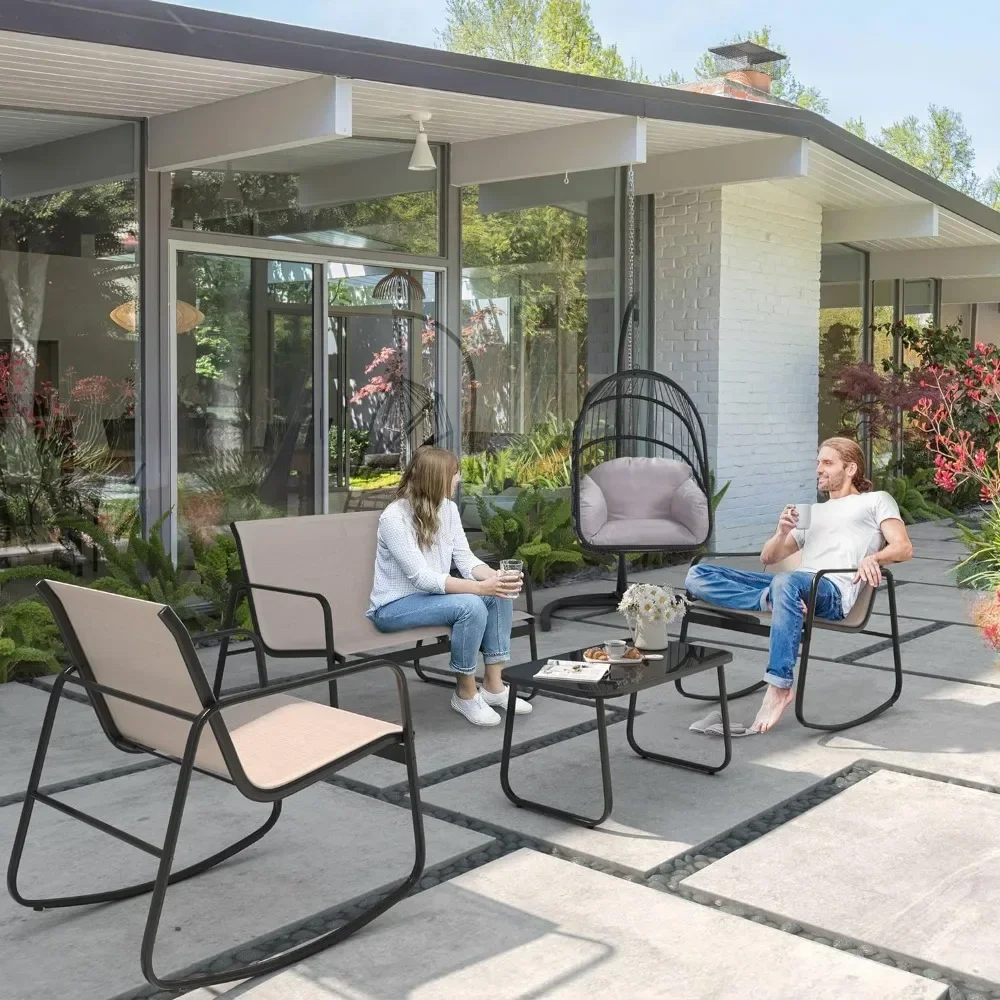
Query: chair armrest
[(324, 676), (203, 637), (323, 602)]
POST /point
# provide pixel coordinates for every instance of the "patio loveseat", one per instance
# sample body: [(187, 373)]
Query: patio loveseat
[(307, 581)]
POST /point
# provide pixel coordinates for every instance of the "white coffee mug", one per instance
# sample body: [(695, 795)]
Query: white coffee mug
[(805, 515)]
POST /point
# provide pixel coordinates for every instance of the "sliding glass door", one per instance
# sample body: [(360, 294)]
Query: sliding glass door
[(244, 384), (384, 399), (270, 423)]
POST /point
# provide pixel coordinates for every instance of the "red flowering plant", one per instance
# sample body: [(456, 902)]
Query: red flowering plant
[(960, 416)]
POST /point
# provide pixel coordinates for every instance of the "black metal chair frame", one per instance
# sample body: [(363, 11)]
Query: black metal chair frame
[(621, 379), (335, 661), (702, 614), (396, 746)]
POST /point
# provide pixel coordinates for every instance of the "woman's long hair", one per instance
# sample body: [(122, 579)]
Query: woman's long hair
[(850, 451), (425, 483)]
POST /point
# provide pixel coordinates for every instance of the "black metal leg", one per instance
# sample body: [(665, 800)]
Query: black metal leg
[(291, 955), (742, 693), (875, 712), (331, 665), (681, 761), (521, 803), (607, 600), (111, 895)]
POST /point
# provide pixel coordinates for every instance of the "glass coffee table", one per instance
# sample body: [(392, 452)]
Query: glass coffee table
[(680, 659)]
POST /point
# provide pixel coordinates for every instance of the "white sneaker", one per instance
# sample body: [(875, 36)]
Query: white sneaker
[(499, 700), (475, 710)]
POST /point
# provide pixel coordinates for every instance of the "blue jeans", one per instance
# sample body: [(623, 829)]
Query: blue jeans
[(477, 623), (745, 591)]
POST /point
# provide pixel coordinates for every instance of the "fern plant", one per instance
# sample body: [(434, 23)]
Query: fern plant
[(142, 568), (981, 568), (537, 531), (29, 640), (218, 567)]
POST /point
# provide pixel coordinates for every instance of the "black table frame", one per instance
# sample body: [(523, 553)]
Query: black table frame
[(701, 658)]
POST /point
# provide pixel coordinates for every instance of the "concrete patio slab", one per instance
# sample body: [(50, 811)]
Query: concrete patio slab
[(946, 550), (956, 651), (328, 847), (443, 738), (934, 531), (933, 603), (905, 864), (659, 811), (78, 746), (662, 811), (936, 571), (586, 935)]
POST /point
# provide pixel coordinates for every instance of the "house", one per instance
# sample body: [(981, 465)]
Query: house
[(241, 246)]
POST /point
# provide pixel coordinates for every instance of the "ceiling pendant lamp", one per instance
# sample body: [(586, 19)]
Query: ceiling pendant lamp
[(230, 189), (421, 158), (187, 317)]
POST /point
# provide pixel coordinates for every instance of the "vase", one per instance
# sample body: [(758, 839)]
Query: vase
[(650, 635)]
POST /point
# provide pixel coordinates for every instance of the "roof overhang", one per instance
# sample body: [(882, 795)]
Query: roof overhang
[(181, 57)]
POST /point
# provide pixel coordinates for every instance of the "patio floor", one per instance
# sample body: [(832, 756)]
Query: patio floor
[(854, 865)]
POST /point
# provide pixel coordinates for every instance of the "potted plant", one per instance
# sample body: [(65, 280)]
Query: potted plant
[(649, 608)]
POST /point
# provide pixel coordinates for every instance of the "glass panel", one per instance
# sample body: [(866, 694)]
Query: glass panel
[(841, 321), (538, 322), (244, 390), (381, 345), (348, 193), (883, 351), (69, 345)]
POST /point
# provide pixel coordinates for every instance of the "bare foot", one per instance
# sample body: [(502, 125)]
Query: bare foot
[(775, 702)]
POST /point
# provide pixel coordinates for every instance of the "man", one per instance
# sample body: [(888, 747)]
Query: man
[(855, 527)]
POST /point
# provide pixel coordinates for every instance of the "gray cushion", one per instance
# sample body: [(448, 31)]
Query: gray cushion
[(644, 531), (643, 501), (593, 508)]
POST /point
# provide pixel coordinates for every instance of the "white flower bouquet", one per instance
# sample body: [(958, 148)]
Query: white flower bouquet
[(652, 602)]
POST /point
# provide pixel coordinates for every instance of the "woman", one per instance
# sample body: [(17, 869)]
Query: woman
[(419, 537)]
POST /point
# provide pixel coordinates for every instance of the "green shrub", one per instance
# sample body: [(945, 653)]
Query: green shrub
[(912, 495), (29, 640), (142, 569), (219, 570), (981, 569), (536, 530)]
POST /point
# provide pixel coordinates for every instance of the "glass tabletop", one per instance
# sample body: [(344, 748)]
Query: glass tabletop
[(680, 659)]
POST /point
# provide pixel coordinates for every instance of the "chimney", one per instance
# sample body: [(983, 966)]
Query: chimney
[(746, 64)]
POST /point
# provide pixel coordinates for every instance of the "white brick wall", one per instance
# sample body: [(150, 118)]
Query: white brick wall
[(688, 243), (737, 324)]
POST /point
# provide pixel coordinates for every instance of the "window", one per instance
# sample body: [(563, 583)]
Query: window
[(841, 326), (69, 334), (539, 323), (353, 193)]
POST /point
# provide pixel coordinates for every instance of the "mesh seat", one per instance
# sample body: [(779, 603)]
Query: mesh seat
[(295, 566)]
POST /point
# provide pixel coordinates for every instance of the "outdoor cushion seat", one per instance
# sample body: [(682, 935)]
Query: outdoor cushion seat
[(640, 502), (854, 619)]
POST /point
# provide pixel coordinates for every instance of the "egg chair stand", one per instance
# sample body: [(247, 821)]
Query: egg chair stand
[(640, 478)]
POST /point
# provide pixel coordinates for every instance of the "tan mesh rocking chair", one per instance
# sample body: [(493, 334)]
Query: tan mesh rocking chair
[(759, 623), (140, 670)]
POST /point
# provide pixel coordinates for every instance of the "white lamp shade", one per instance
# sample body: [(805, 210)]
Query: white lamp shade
[(422, 158)]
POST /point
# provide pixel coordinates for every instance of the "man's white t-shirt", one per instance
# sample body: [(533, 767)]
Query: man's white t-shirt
[(841, 533)]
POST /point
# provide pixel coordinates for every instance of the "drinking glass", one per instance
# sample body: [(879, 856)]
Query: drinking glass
[(511, 569)]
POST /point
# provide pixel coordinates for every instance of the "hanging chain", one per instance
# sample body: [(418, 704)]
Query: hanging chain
[(630, 223)]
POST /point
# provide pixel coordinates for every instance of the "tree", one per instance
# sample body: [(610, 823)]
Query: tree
[(784, 85), (555, 34), (940, 146)]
